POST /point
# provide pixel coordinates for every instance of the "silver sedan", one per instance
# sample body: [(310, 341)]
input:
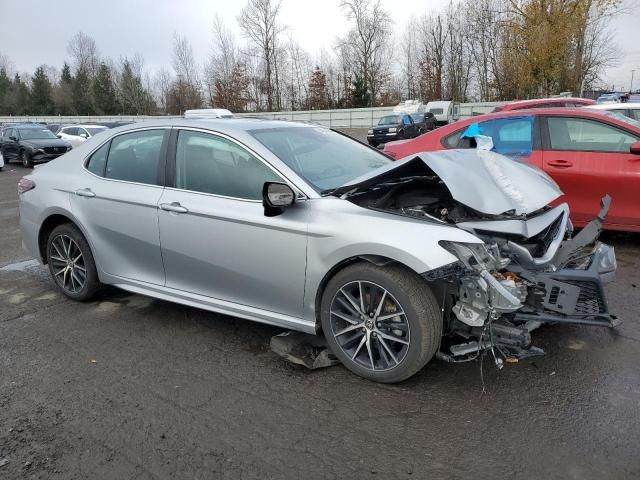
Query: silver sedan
[(301, 227)]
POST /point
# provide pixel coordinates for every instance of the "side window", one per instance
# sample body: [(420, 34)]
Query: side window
[(81, 131), (212, 164), (453, 140), (513, 135), (71, 131), (135, 156), (584, 135), (635, 113), (406, 120), (98, 160), (10, 132)]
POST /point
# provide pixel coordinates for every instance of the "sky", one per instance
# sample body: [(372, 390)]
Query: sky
[(124, 27)]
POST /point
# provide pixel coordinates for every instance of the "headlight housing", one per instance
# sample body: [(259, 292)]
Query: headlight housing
[(370, 131), (475, 256), (392, 129)]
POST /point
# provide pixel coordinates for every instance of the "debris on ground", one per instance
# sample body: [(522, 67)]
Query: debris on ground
[(310, 351), (3, 462)]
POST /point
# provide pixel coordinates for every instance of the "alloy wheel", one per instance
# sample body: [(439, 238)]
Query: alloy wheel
[(67, 260), (370, 326)]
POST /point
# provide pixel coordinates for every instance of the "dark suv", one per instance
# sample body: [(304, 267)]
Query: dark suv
[(392, 127), (31, 143), (424, 121)]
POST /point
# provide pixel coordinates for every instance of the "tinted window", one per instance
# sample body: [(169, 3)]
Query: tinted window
[(635, 114), (70, 131), (35, 133), (587, 135), (98, 160), (389, 120), (452, 140), (134, 157), (512, 135), (418, 117), (406, 120), (324, 158), (212, 164), (9, 132)]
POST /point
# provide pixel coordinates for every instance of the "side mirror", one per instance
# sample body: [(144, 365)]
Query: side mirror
[(84, 135), (59, 135), (635, 148), (15, 139), (276, 197)]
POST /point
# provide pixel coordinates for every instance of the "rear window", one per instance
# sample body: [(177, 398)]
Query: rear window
[(389, 119)]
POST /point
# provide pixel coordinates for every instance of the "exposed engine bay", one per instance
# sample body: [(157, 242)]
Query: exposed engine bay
[(529, 268)]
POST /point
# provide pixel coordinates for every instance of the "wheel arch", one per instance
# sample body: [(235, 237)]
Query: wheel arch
[(46, 227), (377, 260)]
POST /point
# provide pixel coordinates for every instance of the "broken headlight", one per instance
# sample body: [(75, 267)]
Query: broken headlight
[(475, 256)]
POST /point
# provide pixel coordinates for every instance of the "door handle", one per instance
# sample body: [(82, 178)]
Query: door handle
[(174, 207), (560, 163), (85, 192)]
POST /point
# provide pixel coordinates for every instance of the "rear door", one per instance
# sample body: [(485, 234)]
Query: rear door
[(216, 240), (116, 200), (588, 159)]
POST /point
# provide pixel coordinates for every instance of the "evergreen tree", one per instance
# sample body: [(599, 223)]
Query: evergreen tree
[(41, 100), (103, 92), (63, 93), (5, 86), (82, 93), (134, 98), (317, 99), (359, 93), (17, 97)]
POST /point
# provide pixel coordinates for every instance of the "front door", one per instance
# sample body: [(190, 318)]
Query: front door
[(116, 200), (590, 159), (216, 240)]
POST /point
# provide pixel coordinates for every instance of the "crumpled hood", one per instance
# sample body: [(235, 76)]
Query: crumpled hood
[(485, 181)]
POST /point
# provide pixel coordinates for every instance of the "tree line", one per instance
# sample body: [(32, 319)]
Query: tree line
[(474, 50)]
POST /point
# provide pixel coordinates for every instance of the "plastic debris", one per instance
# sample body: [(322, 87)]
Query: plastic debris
[(310, 351), (3, 462)]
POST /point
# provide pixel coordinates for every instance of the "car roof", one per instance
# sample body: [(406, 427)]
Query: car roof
[(229, 125), (536, 101), (615, 106), (84, 125)]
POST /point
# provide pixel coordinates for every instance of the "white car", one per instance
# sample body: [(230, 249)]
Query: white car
[(78, 134), (1, 162), (631, 110)]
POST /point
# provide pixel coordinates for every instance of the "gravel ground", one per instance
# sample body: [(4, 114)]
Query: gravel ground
[(130, 387)]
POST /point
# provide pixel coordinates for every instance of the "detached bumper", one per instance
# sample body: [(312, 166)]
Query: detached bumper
[(575, 294)]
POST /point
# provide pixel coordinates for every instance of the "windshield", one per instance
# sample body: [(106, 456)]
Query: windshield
[(34, 133), (325, 159), (95, 130), (417, 117), (622, 118), (389, 120)]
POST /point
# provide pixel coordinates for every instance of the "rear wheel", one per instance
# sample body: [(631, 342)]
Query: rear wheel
[(383, 323), (71, 263), (26, 159)]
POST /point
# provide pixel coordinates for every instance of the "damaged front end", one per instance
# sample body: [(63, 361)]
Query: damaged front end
[(529, 270), (504, 289)]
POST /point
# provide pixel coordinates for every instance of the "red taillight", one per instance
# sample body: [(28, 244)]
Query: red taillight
[(24, 185)]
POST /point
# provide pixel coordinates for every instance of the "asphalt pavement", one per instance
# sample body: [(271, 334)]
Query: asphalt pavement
[(129, 387)]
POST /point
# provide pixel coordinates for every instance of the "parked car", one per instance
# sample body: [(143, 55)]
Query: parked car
[(392, 127), (208, 113), (424, 121), (30, 144), (304, 228), (545, 103), (55, 127), (78, 134), (608, 98), (588, 153), (631, 110)]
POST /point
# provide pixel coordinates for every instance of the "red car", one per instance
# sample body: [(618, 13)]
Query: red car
[(545, 103), (588, 153)]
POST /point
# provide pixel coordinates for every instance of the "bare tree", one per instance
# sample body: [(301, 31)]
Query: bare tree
[(84, 52), (259, 23), (224, 57), (162, 81), (368, 40)]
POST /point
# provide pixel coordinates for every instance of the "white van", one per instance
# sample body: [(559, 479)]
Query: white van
[(445, 111)]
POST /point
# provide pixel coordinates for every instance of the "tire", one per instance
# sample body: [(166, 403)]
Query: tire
[(419, 325), (26, 159), (373, 144), (400, 135), (73, 283)]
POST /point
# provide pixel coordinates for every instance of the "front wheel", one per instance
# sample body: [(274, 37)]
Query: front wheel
[(26, 160), (71, 263), (383, 323)]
